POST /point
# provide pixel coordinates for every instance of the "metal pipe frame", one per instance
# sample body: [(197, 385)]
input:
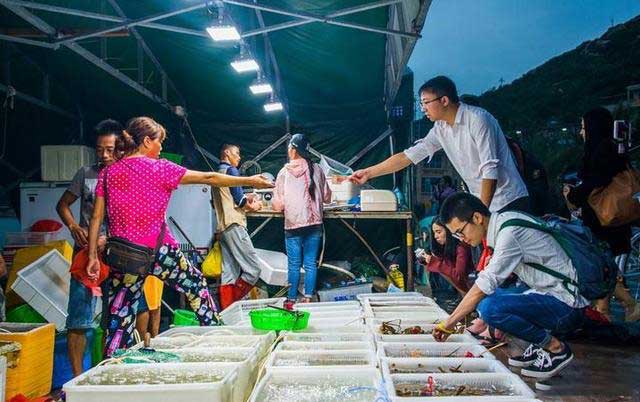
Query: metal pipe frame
[(276, 69), (39, 102), (306, 18), (341, 13), (103, 17), (25, 41), (369, 147), (51, 31), (132, 23), (145, 48), (319, 18)]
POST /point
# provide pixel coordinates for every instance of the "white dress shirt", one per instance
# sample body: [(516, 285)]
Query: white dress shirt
[(514, 247), (478, 150)]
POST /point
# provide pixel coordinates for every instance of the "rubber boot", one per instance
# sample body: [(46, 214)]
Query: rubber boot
[(227, 295), (242, 288)]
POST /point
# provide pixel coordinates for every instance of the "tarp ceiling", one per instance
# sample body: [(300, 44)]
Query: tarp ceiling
[(333, 77), (334, 83)]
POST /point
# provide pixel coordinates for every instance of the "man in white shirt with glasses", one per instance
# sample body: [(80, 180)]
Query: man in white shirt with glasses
[(472, 140)]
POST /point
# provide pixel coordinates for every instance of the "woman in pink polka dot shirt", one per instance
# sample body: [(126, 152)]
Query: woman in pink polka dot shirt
[(139, 186)]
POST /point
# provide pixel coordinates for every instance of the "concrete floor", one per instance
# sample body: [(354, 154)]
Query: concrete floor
[(597, 374)]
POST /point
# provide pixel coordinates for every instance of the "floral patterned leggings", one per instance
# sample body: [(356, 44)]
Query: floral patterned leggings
[(172, 267)]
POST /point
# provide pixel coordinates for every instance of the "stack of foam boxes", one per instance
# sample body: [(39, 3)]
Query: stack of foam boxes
[(415, 367)]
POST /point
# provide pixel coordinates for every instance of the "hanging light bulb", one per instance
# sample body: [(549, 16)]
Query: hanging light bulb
[(220, 31), (260, 86), (245, 62), (274, 105)]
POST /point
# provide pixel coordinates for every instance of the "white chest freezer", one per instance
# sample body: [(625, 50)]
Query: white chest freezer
[(38, 201)]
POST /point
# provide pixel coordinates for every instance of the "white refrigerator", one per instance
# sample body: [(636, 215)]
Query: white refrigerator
[(190, 207)]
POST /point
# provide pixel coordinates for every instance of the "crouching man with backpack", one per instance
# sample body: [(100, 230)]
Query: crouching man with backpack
[(559, 262)]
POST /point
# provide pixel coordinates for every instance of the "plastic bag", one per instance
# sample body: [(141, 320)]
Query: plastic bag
[(212, 265)]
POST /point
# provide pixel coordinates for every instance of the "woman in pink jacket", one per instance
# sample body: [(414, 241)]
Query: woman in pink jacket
[(301, 189)]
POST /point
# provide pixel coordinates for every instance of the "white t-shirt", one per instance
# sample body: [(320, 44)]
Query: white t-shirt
[(478, 150)]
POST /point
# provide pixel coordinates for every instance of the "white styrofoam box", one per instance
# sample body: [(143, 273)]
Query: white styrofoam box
[(216, 330), (342, 190), (388, 296), (274, 267), (375, 324), (434, 316), (321, 358), (406, 300), (238, 341), (38, 201), (399, 365), (238, 312), (222, 391), (44, 285), (432, 349), (313, 329), (378, 201), (336, 323), (344, 314), (455, 338), (298, 346), (246, 358), (344, 293), (260, 343), (408, 309), (190, 206), (509, 381), (403, 310), (61, 162), (326, 337), (356, 379), (337, 305), (3, 377)]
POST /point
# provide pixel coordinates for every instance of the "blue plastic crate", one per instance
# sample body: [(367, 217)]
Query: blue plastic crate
[(62, 372)]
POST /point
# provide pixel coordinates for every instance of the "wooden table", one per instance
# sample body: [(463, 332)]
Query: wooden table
[(343, 216)]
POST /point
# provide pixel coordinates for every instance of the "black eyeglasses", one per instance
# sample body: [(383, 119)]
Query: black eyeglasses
[(423, 103), (459, 234)]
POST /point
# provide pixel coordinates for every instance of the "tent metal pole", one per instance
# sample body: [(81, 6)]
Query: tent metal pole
[(276, 69), (417, 23), (48, 29), (208, 154), (25, 41), (317, 18), (38, 102), (147, 50), (103, 17), (369, 147), (271, 147), (132, 23), (346, 11)]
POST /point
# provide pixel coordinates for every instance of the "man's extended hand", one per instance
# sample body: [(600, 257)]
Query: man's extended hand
[(260, 181), (360, 176)]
